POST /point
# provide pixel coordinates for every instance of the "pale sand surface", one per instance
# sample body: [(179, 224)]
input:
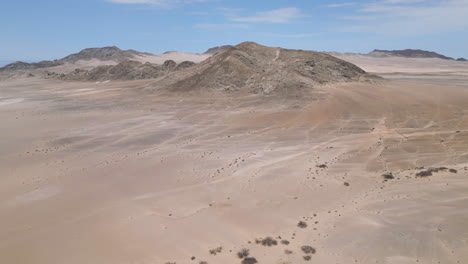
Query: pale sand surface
[(110, 173), (399, 65)]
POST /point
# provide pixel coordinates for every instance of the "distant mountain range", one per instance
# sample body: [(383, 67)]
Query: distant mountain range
[(410, 53), (113, 55), (104, 54), (107, 56)]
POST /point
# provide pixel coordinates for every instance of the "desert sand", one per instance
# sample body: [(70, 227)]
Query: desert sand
[(115, 172)]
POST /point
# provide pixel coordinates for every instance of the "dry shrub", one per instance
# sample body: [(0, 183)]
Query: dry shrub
[(308, 249), (243, 253)]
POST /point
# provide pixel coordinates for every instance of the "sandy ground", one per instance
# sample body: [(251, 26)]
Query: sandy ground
[(110, 173), (406, 66)]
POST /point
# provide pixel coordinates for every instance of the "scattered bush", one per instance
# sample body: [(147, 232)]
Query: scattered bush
[(285, 242), (429, 172), (424, 173), (249, 261), (453, 171), (302, 224), (216, 250), (243, 253), (268, 241), (308, 249), (388, 176), (307, 258)]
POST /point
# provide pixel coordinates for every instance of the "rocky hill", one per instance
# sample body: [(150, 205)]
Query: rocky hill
[(126, 70), (253, 68), (113, 54), (105, 54), (215, 50), (24, 66), (462, 59), (408, 53)]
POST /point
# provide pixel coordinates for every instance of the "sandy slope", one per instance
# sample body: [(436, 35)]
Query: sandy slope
[(110, 173), (399, 65)]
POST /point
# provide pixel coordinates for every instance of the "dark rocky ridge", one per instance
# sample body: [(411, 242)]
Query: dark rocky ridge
[(218, 49), (253, 68), (126, 70), (24, 66), (408, 53), (104, 54)]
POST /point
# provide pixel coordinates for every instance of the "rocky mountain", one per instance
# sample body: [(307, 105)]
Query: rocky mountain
[(126, 70), (462, 59), (24, 66), (104, 54), (253, 68), (215, 50), (408, 53)]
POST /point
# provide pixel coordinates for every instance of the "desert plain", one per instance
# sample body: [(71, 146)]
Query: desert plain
[(116, 172)]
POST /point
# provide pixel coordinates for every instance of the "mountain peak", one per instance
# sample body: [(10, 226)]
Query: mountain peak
[(217, 49), (253, 68), (103, 53)]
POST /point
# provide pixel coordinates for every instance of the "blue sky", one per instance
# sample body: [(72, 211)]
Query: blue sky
[(32, 30)]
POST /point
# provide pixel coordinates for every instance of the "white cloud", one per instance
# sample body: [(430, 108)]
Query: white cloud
[(341, 4), (282, 15), (411, 17)]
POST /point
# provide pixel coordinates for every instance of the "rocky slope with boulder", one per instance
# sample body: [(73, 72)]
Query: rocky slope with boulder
[(218, 49), (126, 70), (253, 68)]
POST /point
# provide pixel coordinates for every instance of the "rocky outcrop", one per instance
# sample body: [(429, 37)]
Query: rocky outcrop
[(218, 49), (126, 70), (24, 66), (253, 68), (104, 54)]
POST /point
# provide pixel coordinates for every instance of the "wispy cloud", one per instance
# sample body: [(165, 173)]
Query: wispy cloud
[(300, 35), (411, 17), (230, 9), (341, 4), (282, 15), (220, 26)]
